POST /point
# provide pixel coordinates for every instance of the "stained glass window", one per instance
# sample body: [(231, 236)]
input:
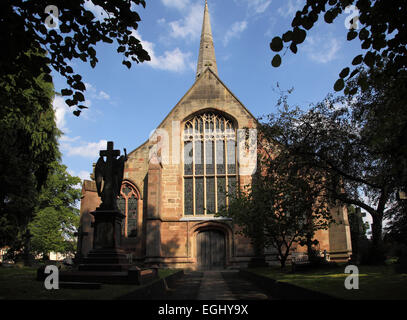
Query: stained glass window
[(199, 196), (199, 160), (210, 159), (221, 192), (232, 186), (188, 196), (121, 205), (127, 204), (231, 156), (188, 152), (132, 216), (210, 195), (220, 156), (210, 167)]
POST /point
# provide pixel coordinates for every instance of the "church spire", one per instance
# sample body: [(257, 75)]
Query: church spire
[(206, 56)]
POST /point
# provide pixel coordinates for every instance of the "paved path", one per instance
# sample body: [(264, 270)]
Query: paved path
[(215, 285)]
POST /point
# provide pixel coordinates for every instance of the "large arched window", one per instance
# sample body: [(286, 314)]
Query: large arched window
[(127, 203), (210, 163)]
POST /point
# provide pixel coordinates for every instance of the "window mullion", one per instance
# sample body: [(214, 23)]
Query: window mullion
[(127, 214), (193, 166), (204, 165)]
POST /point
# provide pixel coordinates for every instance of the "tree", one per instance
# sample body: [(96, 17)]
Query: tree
[(62, 32), (282, 205), (330, 137), (28, 139), (56, 216), (383, 33)]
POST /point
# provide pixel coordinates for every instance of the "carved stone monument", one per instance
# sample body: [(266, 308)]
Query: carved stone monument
[(108, 219), (107, 262)]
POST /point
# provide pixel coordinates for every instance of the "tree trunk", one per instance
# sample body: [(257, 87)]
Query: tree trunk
[(377, 229), (377, 255), (283, 261)]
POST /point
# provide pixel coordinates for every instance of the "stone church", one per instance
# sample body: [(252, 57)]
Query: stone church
[(169, 196)]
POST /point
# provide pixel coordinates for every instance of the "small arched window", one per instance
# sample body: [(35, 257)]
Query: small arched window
[(127, 203), (210, 163)]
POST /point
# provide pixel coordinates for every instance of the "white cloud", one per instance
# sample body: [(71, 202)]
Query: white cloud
[(97, 11), (93, 93), (292, 6), (178, 4), (103, 95), (256, 6), (67, 139), (259, 6), (322, 49), (61, 108), (83, 148), (174, 60), (189, 26), (234, 32), (83, 175)]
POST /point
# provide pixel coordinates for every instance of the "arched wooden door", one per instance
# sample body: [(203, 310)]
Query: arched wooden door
[(211, 249)]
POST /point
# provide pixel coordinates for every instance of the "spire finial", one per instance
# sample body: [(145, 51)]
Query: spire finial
[(206, 56)]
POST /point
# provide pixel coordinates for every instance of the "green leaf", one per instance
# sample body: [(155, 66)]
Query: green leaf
[(276, 44), (357, 60), (299, 35), (339, 85), (47, 78), (127, 63), (366, 44), (353, 73), (276, 62), (353, 91), (70, 102), (307, 23), (77, 112), (329, 17), (369, 59), (344, 72), (363, 34), (287, 37), (352, 34), (79, 96), (66, 92), (293, 47)]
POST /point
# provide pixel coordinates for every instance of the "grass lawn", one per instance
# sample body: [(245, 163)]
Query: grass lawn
[(375, 282), (19, 283)]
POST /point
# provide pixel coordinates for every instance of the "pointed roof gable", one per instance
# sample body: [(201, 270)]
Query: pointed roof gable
[(206, 58)]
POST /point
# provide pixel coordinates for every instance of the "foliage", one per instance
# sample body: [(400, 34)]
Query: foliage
[(56, 219), (28, 139), (281, 206), (382, 36), (76, 38), (332, 136)]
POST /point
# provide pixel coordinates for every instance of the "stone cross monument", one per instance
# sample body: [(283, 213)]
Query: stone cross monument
[(108, 219)]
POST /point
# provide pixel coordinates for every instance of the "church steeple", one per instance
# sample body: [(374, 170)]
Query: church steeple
[(206, 56)]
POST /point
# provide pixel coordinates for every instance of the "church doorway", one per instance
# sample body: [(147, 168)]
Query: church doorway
[(211, 250)]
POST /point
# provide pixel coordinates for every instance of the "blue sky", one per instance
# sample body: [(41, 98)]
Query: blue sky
[(126, 105)]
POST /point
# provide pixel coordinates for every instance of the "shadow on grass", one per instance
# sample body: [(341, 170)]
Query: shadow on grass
[(375, 282), (20, 284)]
